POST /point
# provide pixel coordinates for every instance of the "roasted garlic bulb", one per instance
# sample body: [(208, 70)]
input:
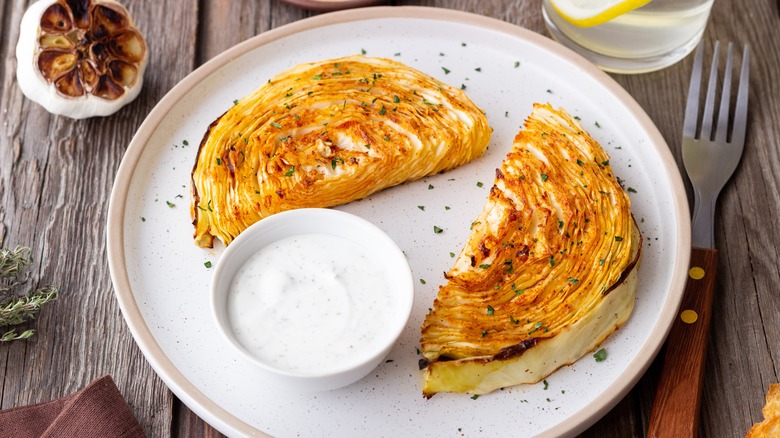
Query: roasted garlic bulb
[(549, 270), (80, 58), (327, 133)]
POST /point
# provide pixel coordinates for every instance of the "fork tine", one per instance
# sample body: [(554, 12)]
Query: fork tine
[(722, 130), (740, 113), (692, 106), (709, 103)]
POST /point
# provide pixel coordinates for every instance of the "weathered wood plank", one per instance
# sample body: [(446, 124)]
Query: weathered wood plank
[(56, 182)]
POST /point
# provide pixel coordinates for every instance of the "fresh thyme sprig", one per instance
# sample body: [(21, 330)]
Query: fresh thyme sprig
[(12, 263), (18, 308)]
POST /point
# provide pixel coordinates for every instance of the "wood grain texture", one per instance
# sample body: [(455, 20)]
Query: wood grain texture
[(56, 176)]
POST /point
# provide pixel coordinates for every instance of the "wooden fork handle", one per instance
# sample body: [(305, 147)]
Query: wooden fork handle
[(675, 411)]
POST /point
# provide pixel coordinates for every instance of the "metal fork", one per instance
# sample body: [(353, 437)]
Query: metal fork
[(710, 158)]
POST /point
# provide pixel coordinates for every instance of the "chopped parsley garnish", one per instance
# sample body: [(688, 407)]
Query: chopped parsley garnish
[(479, 184), (597, 124), (452, 254), (422, 281), (618, 239), (446, 207), (335, 161), (549, 91), (430, 186), (437, 230), (219, 161), (544, 177), (478, 69), (484, 333), (143, 219), (462, 86), (552, 260), (580, 163), (601, 262), (513, 320), (605, 163), (383, 111), (600, 355), (170, 204), (572, 280), (490, 310), (276, 125), (484, 266), (317, 77), (446, 70), (290, 171), (536, 327), (631, 190), (545, 384), (362, 51), (396, 99), (207, 264), (517, 64), (185, 142), (235, 102), (421, 207), (387, 138)]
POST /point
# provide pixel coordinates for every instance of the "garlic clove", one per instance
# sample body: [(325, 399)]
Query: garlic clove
[(80, 58), (56, 19), (123, 73), (54, 63)]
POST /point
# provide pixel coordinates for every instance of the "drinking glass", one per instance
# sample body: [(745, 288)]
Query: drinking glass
[(645, 39)]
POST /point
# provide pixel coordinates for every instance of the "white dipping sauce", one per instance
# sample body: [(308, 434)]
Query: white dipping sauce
[(310, 303)]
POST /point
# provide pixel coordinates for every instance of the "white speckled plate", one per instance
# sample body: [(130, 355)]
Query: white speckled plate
[(162, 283)]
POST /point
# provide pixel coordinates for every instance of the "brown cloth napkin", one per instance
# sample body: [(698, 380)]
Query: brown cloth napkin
[(98, 410)]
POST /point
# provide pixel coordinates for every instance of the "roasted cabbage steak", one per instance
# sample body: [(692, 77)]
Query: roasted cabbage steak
[(549, 270), (326, 133)]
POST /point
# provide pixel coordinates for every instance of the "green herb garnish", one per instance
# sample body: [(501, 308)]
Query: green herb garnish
[(16, 308)]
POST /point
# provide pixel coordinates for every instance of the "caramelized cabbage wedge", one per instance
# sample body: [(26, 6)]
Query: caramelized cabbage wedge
[(549, 271), (327, 133)]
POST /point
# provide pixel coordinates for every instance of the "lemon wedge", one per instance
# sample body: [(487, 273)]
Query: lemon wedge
[(588, 13)]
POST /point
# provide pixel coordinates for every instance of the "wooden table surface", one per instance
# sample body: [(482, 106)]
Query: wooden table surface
[(56, 176)]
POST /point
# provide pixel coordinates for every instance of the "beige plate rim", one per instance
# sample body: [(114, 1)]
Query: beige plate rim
[(227, 422)]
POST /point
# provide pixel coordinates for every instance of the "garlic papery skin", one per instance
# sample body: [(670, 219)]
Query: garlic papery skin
[(80, 58)]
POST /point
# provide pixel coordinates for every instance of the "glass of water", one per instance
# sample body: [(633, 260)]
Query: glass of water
[(645, 39)]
